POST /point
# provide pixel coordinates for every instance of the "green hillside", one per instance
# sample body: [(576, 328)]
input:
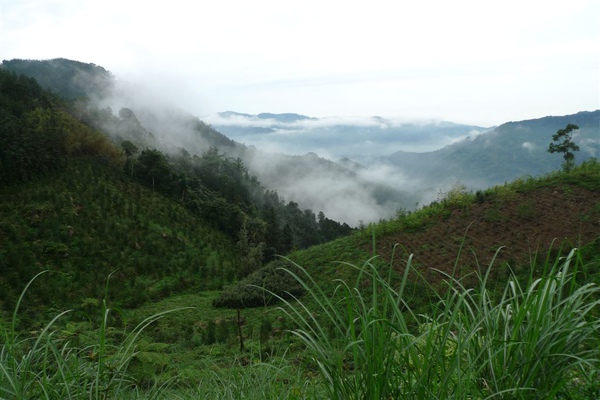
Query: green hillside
[(83, 203), (319, 185), (88, 221), (196, 352), (510, 225), (66, 78)]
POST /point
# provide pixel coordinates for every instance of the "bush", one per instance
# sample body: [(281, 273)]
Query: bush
[(261, 288)]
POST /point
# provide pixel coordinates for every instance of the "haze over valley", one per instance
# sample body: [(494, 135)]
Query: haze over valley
[(424, 158)]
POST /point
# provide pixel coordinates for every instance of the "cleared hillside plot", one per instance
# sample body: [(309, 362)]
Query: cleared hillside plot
[(513, 227)]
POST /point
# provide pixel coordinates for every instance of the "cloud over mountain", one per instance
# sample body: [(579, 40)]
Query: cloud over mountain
[(358, 138)]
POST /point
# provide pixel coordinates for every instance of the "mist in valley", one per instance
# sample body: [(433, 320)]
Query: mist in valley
[(354, 169), (355, 195)]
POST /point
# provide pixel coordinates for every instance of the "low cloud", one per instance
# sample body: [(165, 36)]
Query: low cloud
[(359, 138), (312, 182), (306, 122), (528, 146), (590, 146)]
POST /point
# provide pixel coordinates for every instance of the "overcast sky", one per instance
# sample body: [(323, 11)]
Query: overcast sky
[(476, 62)]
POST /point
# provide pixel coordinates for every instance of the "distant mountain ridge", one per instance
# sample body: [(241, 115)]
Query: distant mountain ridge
[(474, 156), (285, 117), (357, 138), (503, 154)]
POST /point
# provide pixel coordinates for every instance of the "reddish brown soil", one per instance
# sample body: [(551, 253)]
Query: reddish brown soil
[(523, 226)]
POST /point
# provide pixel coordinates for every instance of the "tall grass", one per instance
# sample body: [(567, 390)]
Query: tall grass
[(532, 340), (50, 365), (259, 381), (536, 340)]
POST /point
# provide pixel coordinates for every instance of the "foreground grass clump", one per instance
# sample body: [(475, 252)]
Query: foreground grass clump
[(53, 364), (535, 340)]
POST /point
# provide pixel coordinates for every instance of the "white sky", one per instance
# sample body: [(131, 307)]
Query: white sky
[(477, 62)]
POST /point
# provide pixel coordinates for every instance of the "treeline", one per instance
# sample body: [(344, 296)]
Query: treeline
[(221, 190), (38, 135), (217, 187)]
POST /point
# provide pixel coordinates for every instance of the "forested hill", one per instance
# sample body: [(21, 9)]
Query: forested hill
[(66, 78), (313, 183), (505, 153), (82, 203)]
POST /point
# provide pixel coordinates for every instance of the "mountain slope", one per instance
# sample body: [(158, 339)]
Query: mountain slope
[(310, 182), (66, 78), (87, 221), (509, 227), (521, 221), (507, 152), (75, 202)]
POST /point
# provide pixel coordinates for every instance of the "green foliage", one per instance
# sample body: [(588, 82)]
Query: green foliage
[(88, 220), (362, 340), (66, 78), (62, 209), (456, 197), (416, 221), (257, 381), (260, 288), (221, 191), (38, 137), (565, 145), (527, 211), (67, 363)]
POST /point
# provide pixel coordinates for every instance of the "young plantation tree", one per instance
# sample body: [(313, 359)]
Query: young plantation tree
[(565, 145), (130, 150)]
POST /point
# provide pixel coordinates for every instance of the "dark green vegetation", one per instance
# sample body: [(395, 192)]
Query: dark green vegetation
[(565, 145), (479, 295), (75, 202), (83, 79)]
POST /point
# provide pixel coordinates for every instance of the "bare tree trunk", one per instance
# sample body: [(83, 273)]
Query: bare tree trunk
[(239, 321)]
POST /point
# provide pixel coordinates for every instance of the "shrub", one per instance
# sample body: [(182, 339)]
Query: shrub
[(260, 288)]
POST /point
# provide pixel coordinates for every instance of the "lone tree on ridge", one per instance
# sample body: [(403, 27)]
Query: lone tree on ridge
[(565, 145)]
